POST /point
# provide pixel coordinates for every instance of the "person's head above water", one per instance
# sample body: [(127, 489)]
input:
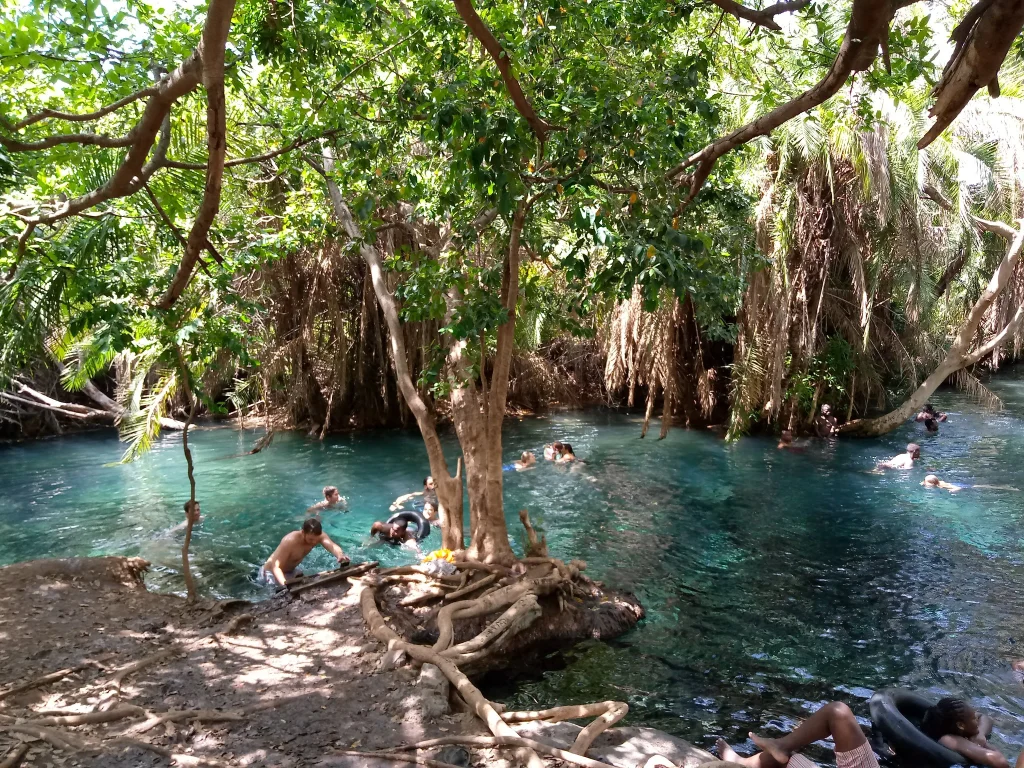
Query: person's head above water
[(932, 480), (931, 425), (331, 494), (192, 510), (527, 457), (559, 447), (312, 530), (826, 409), (914, 450), (928, 408), (400, 524), (566, 449), (786, 436), (428, 483), (950, 717)]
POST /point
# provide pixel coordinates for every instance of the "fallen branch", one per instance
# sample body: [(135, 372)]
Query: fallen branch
[(333, 578)]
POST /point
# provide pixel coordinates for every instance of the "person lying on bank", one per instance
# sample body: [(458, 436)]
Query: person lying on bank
[(393, 533), (283, 564)]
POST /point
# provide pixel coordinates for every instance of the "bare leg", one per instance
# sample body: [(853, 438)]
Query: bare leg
[(834, 719), (1020, 760), (760, 760)]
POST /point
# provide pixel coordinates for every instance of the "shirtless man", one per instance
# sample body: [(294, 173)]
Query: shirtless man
[(903, 460), (929, 412), (526, 461), (826, 425), (331, 499), (932, 481), (191, 516), (283, 565), (393, 533)]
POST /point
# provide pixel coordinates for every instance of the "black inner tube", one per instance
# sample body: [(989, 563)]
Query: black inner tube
[(413, 518), (897, 715)]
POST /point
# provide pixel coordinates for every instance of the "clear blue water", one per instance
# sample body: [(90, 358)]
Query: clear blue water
[(773, 581)]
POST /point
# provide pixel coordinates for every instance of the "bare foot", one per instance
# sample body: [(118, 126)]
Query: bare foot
[(771, 746), (729, 755)]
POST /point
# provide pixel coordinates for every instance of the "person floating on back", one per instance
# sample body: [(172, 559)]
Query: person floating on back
[(331, 499), (393, 533), (932, 481), (826, 425), (283, 564), (429, 494), (903, 460), (929, 412)]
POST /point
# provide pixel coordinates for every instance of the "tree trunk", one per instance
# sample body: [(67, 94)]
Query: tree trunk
[(958, 356), (186, 568), (449, 487)]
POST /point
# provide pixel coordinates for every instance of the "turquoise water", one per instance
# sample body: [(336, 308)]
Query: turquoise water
[(774, 581)]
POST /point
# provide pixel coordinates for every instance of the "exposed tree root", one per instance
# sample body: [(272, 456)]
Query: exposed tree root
[(472, 587), (52, 677), (14, 758), (136, 666), (536, 547), (518, 617), (207, 715), (91, 718), (608, 714), (174, 757), (424, 597), (510, 741), (63, 741), (473, 565), (469, 692)]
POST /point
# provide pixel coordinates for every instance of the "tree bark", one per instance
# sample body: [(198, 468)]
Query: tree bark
[(186, 568), (449, 487), (958, 356)]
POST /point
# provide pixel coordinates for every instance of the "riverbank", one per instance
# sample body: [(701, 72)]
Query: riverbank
[(113, 675)]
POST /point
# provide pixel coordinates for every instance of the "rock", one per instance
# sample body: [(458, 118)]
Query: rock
[(433, 693), (622, 747), (393, 659)]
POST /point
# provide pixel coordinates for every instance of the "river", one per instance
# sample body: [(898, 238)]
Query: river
[(774, 581)]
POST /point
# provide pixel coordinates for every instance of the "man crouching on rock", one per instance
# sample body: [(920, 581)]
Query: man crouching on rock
[(283, 565)]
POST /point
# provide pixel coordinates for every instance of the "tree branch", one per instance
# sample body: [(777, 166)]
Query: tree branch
[(869, 25), (48, 114), (990, 346), (763, 18), (480, 31), (255, 158), (506, 331), (983, 39), (85, 139), (211, 50)]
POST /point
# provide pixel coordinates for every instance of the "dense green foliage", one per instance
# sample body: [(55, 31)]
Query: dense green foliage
[(426, 138)]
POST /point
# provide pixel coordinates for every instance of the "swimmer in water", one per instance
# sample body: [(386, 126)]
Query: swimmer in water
[(526, 461), (331, 499), (932, 426), (932, 481), (826, 425), (283, 564), (429, 494), (565, 455), (786, 441), (192, 515), (833, 721), (956, 725), (929, 412), (393, 533), (903, 460), (552, 451)]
